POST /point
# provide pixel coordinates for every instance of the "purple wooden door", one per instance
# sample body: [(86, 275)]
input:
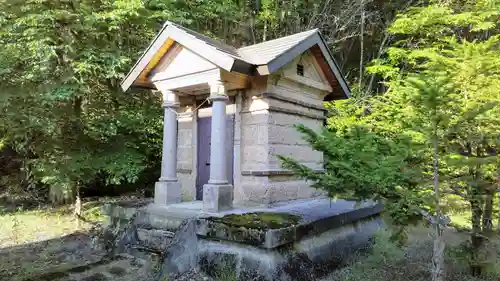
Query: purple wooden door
[(203, 172), (204, 135)]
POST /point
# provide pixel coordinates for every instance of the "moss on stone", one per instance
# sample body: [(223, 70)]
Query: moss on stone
[(259, 220)]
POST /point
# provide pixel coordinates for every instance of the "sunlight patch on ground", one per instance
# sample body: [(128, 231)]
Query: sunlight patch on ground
[(32, 242), (38, 225), (461, 220), (25, 227)]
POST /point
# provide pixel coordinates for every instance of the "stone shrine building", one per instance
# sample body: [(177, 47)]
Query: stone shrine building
[(223, 202), (228, 112)]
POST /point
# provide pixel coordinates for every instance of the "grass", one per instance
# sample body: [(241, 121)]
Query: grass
[(460, 220), (29, 226), (387, 261), (24, 227), (37, 241)]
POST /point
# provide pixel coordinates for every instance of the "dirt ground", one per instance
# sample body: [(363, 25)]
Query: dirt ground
[(35, 242)]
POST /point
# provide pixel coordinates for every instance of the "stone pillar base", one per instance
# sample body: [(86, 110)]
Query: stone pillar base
[(217, 197), (167, 193)]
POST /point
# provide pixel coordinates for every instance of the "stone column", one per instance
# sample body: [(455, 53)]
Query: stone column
[(218, 194), (168, 189)]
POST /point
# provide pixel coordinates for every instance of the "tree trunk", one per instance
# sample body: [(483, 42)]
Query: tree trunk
[(78, 206), (438, 255), (379, 54), (497, 185), (264, 34), (476, 237), (439, 243), (498, 223), (361, 43), (488, 214)]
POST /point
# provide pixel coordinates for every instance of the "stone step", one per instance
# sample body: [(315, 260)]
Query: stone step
[(154, 239)]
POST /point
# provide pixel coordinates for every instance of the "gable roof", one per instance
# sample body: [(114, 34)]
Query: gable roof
[(264, 52), (259, 59)]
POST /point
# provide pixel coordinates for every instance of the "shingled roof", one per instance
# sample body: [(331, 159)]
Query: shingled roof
[(230, 50), (264, 52), (259, 59)]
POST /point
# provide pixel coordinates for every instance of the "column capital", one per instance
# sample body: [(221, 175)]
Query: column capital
[(170, 98), (217, 90)]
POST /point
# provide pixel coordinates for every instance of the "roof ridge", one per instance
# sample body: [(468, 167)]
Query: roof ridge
[(264, 52), (312, 31), (215, 43)]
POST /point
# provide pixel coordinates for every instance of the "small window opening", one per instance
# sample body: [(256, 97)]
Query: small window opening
[(300, 69)]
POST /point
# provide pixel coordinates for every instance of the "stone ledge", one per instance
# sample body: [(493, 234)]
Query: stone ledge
[(292, 101), (288, 111), (295, 112), (277, 172), (267, 238)]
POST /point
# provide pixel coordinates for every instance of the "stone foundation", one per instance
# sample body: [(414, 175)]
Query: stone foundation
[(296, 240), (306, 259)]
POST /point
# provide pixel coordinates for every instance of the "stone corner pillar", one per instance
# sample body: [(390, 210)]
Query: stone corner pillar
[(167, 188), (218, 193)]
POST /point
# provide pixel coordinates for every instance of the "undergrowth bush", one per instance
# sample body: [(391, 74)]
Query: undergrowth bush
[(489, 256), (388, 261), (384, 257)]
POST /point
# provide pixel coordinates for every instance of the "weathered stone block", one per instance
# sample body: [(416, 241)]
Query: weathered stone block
[(217, 197), (116, 211), (167, 193), (154, 238), (157, 217), (188, 185), (254, 154)]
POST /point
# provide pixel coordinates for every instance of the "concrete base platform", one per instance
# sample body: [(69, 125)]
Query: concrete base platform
[(307, 259), (293, 240)]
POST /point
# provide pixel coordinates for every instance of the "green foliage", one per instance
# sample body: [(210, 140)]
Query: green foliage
[(363, 165), (442, 76), (388, 261), (452, 81), (61, 62)]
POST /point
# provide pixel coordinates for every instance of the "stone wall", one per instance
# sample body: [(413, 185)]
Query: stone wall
[(270, 110), (265, 116), (254, 146), (186, 151)]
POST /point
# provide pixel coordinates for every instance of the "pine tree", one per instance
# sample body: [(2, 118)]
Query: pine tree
[(442, 77), (363, 165)]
